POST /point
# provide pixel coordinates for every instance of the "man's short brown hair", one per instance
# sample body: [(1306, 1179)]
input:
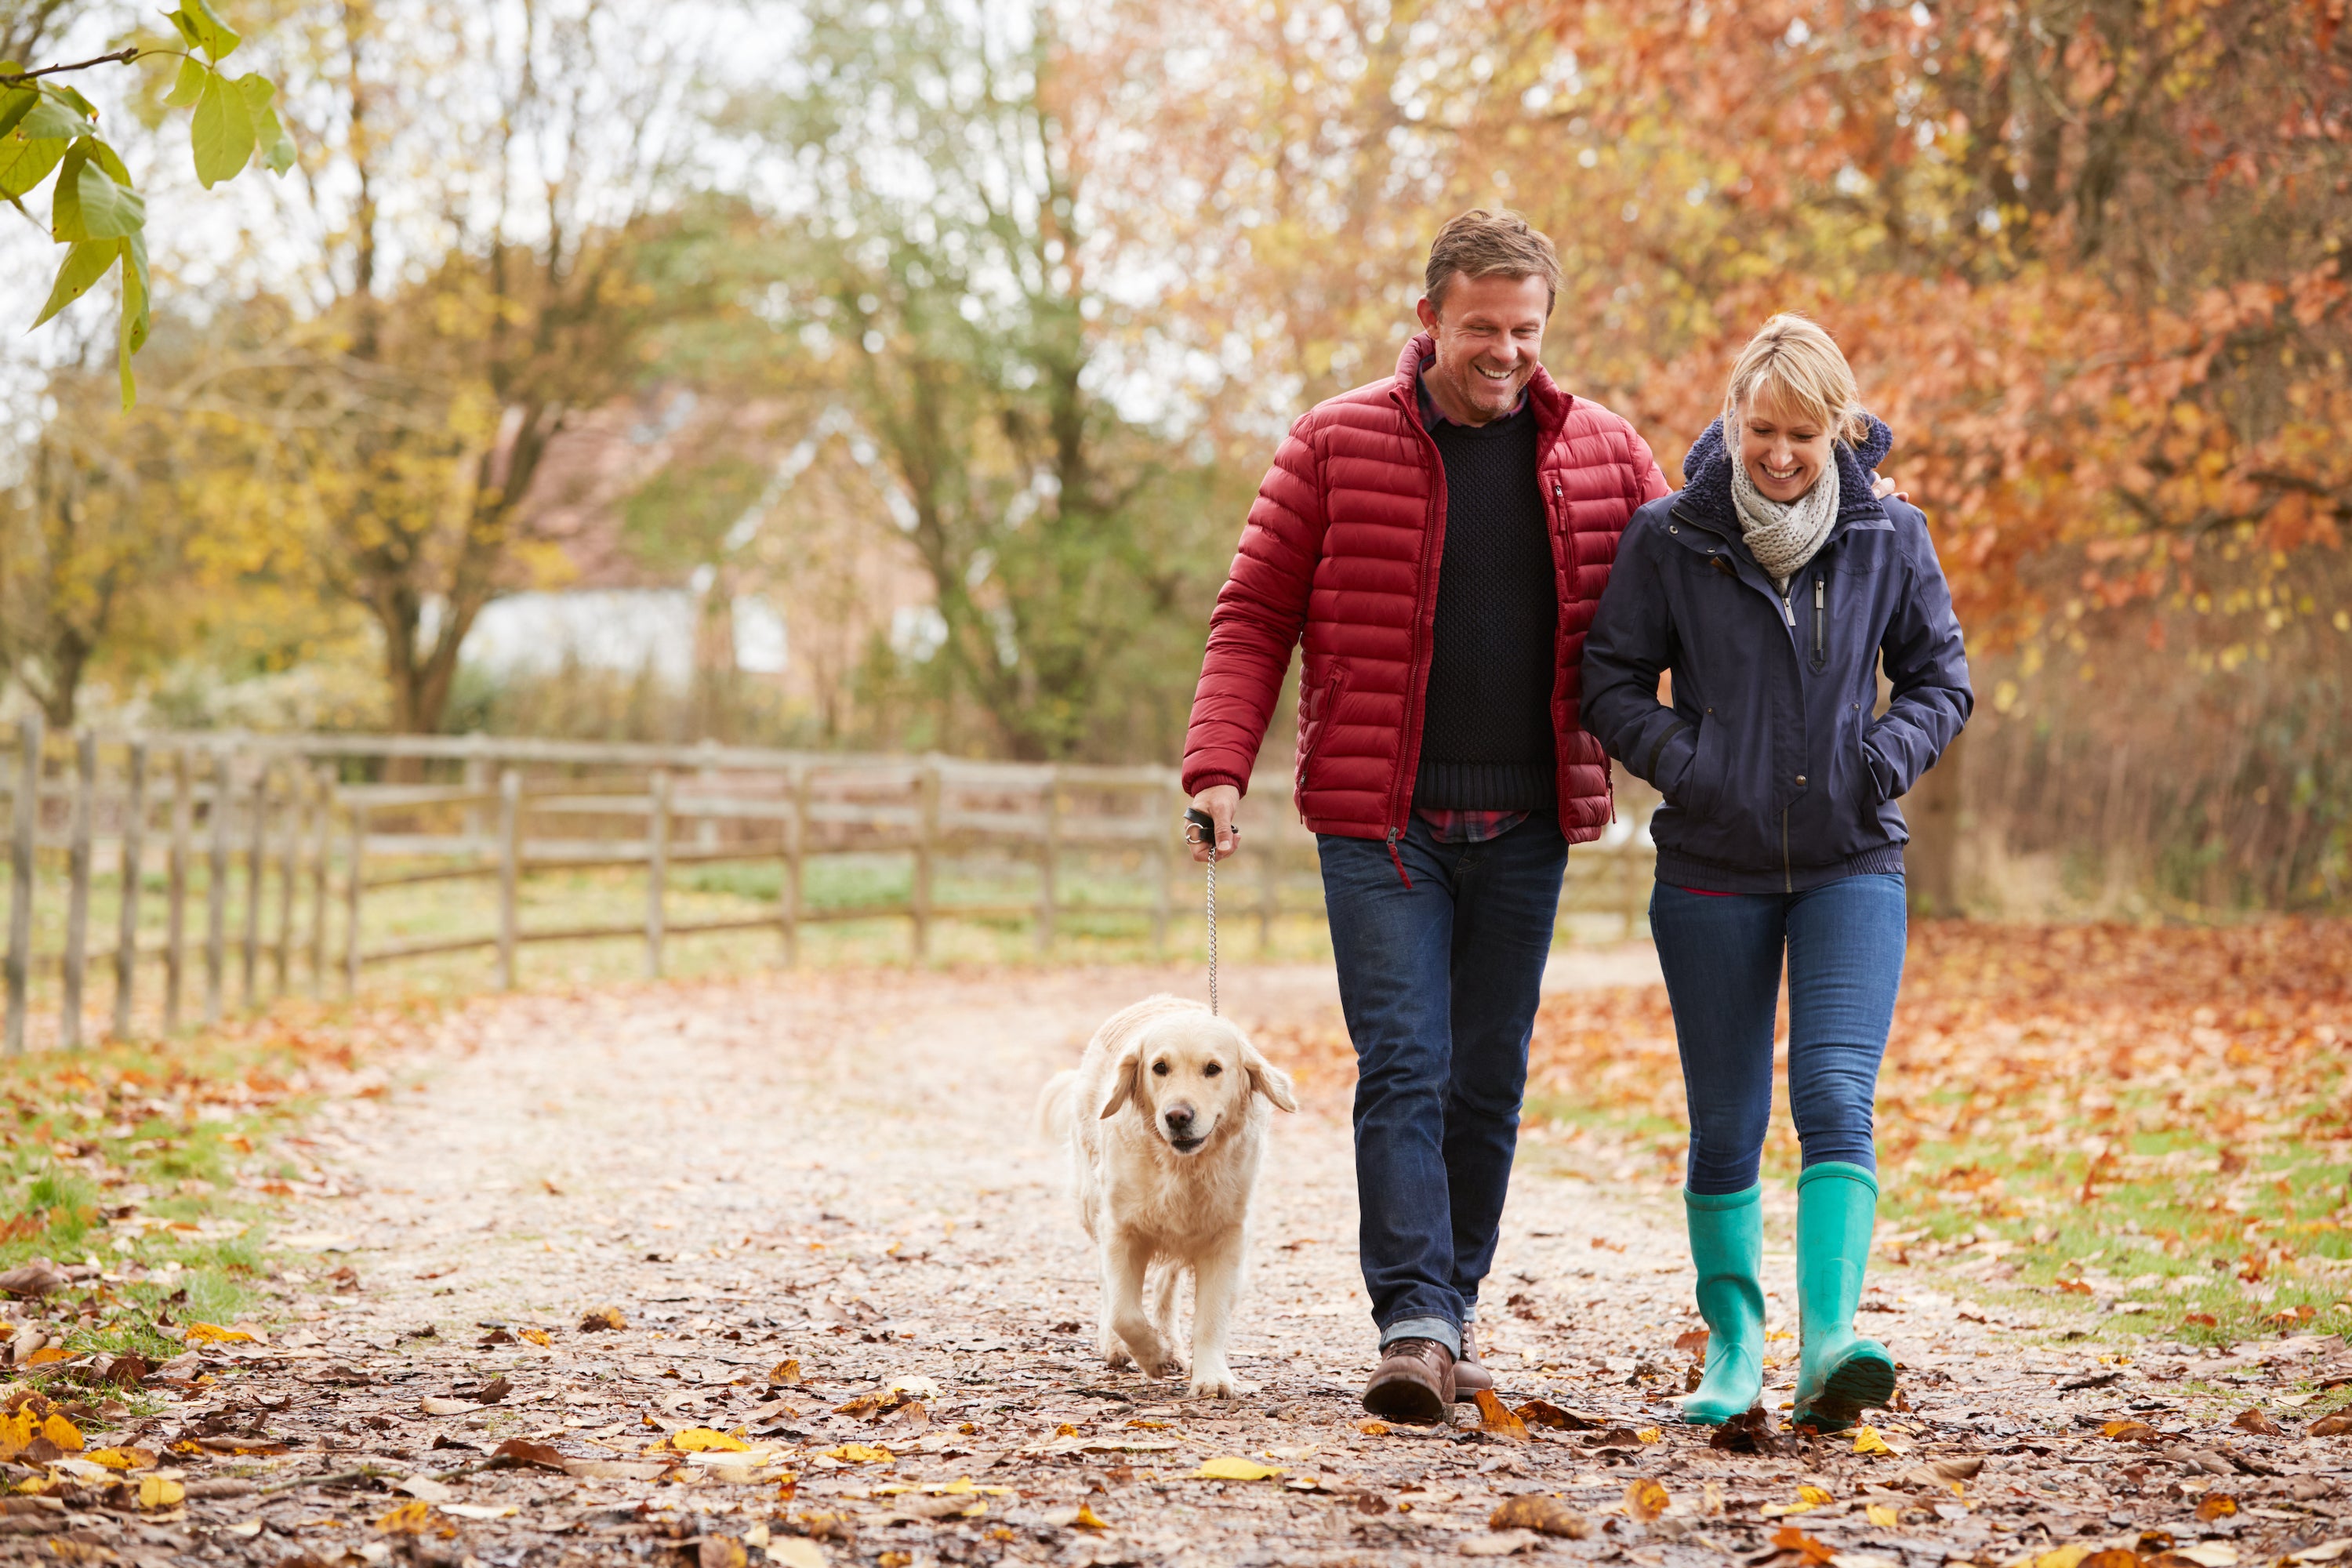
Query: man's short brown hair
[(1482, 244)]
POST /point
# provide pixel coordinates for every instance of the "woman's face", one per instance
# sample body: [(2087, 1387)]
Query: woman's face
[(1784, 450)]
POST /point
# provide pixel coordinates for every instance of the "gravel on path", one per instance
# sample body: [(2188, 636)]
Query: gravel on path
[(851, 1309)]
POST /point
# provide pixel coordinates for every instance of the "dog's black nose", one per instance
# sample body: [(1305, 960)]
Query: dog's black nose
[(1180, 1117)]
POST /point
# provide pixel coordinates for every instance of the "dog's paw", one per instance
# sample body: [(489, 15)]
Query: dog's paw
[(1114, 1357), (1219, 1382)]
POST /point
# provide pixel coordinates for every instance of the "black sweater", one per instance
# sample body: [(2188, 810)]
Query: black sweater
[(1486, 732)]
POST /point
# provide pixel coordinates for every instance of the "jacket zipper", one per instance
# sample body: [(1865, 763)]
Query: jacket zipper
[(1788, 612), (1398, 859), (1819, 592)]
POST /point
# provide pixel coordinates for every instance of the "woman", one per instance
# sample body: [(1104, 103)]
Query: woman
[(1772, 586)]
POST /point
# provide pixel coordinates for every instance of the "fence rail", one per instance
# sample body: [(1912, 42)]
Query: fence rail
[(293, 834)]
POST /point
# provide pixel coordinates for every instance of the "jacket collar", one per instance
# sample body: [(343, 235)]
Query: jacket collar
[(1545, 398), (1705, 496)]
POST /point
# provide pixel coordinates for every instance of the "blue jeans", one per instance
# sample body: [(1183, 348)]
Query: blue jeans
[(1439, 982), (1721, 956)]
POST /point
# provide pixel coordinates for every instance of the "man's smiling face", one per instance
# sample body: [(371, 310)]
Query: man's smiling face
[(1489, 336)]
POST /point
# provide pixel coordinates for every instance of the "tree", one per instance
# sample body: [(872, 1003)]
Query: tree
[(46, 127), (941, 267)]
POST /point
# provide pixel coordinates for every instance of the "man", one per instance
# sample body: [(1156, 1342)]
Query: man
[(1436, 541)]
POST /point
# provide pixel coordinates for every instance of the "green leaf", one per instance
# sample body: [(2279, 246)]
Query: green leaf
[(74, 102), (135, 293), (107, 210), (222, 135), (189, 85), (65, 202), (85, 264), (25, 162), (17, 102), (52, 121), (218, 36), (107, 159), (276, 147), (187, 28)]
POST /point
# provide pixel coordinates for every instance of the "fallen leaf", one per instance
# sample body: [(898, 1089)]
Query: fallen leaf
[(536, 1336), (122, 1458), (709, 1439), (2254, 1419), (519, 1453), (48, 1355), (720, 1551), (2210, 1555), (2130, 1432), (1815, 1496), (40, 1277), (1087, 1518), (1648, 1434), (480, 1510), (1882, 1516), (2218, 1505), (408, 1519), (613, 1469), (161, 1491), (2334, 1425), (787, 1371), (796, 1552), (2326, 1551), (1373, 1428), (600, 1317), (1547, 1515), (861, 1454), (214, 1334), (2064, 1557), (424, 1489), (1490, 1544), (1495, 1416), (1692, 1343), (432, 1405), (1866, 1440), (1232, 1468), (1543, 1413), (1788, 1538), (1645, 1499), (1749, 1432), (2112, 1557), (490, 1392)]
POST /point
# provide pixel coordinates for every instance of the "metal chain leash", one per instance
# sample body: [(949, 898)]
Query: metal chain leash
[(1197, 821)]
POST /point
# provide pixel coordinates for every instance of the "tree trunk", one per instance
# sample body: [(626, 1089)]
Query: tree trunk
[(1931, 860)]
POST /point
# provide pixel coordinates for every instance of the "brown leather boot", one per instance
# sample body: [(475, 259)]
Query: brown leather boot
[(1469, 1377), (1414, 1381)]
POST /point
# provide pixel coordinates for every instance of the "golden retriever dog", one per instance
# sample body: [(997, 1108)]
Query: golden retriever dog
[(1165, 1118)]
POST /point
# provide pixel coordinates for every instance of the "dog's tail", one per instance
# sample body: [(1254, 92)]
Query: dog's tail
[(1054, 1107)]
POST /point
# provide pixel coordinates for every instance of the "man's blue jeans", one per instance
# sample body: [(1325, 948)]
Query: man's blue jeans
[(1721, 956), (1439, 982)]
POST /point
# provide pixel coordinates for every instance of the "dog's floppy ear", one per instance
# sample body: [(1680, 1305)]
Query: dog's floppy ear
[(1267, 1078), (1124, 1072)]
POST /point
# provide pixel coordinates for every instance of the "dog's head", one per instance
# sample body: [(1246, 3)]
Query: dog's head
[(1192, 1073)]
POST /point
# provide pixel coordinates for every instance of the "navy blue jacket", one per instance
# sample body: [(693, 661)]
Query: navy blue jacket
[(1777, 772)]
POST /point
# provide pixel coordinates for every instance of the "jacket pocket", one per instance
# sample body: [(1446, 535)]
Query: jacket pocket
[(1316, 706)]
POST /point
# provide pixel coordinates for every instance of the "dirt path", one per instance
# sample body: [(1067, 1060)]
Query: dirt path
[(841, 1171)]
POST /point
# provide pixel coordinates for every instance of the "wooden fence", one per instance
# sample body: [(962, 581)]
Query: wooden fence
[(282, 838)]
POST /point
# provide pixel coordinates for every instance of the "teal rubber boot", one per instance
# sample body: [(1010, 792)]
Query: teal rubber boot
[(1839, 1373), (1726, 1239)]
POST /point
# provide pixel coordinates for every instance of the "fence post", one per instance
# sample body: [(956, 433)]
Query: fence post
[(656, 869), (1048, 862), (322, 851), (22, 843), (510, 867), (257, 846), (290, 868), (477, 783), (126, 917), (176, 942), (77, 965), (926, 830), (217, 890), (795, 852), (1162, 806), (706, 783), (351, 885)]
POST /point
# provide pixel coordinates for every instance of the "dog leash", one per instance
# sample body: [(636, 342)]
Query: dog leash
[(1198, 822)]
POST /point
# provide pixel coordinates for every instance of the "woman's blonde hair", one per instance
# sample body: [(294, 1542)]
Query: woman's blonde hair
[(1799, 362)]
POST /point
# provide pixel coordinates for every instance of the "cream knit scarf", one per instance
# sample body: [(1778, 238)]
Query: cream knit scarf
[(1783, 535)]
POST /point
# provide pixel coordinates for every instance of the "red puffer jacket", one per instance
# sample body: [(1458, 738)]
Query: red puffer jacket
[(1340, 554)]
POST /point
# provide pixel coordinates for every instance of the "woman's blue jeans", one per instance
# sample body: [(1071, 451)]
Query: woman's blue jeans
[(1439, 982), (1721, 956)]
